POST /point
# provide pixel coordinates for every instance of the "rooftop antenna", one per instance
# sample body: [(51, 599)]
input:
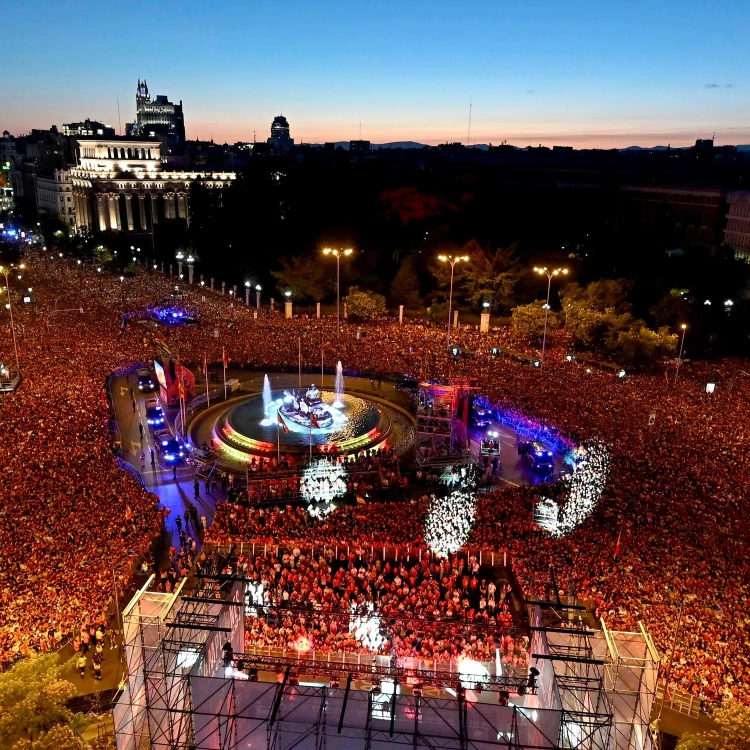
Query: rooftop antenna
[(119, 122), (468, 135), (360, 130)]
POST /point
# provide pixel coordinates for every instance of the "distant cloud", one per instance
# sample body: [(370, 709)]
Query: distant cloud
[(530, 91), (719, 85)]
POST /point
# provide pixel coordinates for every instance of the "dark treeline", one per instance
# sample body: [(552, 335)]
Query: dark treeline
[(399, 214), (279, 210)]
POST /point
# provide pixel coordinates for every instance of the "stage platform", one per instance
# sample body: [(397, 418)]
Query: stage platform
[(192, 685)]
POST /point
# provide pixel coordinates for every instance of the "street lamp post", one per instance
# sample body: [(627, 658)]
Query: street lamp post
[(679, 358), (247, 294), (180, 257), (6, 272), (258, 289), (484, 318), (452, 259), (190, 261), (287, 304), (544, 271), (337, 253)]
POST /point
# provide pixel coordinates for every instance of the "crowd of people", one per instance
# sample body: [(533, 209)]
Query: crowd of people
[(432, 609), (69, 515), (272, 490), (666, 542)]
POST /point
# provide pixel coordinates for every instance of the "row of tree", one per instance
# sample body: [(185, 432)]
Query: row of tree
[(607, 317), (597, 318), (490, 276)]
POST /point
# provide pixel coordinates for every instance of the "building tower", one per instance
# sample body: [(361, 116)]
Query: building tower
[(280, 139), (157, 118), (141, 95)]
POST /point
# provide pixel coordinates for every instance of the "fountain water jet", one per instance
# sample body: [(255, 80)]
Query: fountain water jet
[(267, 401), (339, 401)]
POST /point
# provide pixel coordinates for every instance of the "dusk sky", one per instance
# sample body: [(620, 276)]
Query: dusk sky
[(578, 73)]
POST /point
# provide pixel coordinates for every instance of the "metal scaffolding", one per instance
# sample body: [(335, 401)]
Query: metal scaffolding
[(168, 638), (631, 664), (192, 687), (587, 717), (438, 408)]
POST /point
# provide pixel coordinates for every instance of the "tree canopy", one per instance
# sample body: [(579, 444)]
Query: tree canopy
[(487, 276), (598, 318), (732, 730), (364, 305), (304, 275), (33, 712), (490, 275), (405, 285), (528, 321)]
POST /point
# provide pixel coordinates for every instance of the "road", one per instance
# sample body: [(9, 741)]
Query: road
[(515, 471), (175, 494)]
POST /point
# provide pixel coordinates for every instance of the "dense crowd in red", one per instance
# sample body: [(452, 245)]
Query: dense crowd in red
[(431, 609), (69, 514), (675, 492)]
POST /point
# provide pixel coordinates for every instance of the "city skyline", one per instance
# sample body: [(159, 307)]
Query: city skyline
[(585, 76)]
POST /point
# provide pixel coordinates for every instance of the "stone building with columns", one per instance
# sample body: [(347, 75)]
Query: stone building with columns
[(121, 184)]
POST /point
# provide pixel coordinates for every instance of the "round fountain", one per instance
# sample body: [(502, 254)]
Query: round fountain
[(284, 418)]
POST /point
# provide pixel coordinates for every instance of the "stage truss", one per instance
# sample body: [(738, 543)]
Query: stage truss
[(631, 674), (442, 416), (190, 686)]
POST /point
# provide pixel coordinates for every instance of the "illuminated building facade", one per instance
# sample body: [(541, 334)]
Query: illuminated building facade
[(121, 184), (54, 194), (88, 127)]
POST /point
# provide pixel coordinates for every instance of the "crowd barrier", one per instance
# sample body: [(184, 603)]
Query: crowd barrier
[(490, 557), (125, 466)]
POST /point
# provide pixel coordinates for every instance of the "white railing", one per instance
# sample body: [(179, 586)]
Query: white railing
[(683, 703)]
